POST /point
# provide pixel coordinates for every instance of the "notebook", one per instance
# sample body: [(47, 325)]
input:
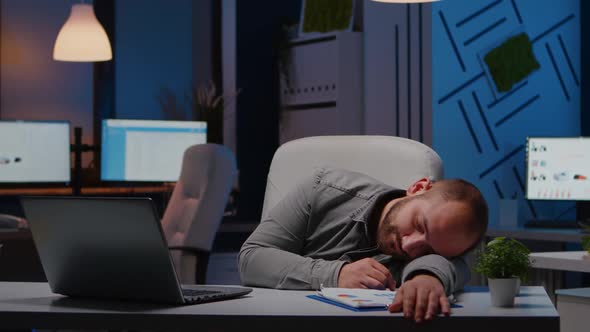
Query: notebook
[(355, 298), (110, 248)]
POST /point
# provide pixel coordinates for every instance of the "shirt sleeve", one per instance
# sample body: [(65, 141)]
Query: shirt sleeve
[(270, 257), (453, 273)]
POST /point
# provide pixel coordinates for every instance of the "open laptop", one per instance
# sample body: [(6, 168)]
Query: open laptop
[(111, 248)]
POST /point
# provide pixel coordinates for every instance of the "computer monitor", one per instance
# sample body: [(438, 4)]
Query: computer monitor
[(558, 168), (34, 152), (147, 150)]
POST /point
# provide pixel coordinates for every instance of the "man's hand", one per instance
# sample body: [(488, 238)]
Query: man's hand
[(365, 273), (421, 298)]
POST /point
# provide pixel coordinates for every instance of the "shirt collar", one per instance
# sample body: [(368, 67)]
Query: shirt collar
[(363, 213)]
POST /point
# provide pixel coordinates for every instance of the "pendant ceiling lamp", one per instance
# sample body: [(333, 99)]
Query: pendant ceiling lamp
[(405, 1), (82, 38)]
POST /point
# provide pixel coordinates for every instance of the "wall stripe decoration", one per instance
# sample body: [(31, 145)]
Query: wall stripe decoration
[(485, 120), (553, 28), (409, 59), (484, 31), (557, 72), (498, 190), (398, 41), (477, 13), (452, 40), (499, 163), (508, 94), (516, 11), (500, 122), (568, 59), (433, 54), (517, 110), (461, 87), (421, 73), (397, 83), (470, 127)]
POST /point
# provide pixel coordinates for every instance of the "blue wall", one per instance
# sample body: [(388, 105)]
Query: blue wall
[(153, 51), (481, 136)]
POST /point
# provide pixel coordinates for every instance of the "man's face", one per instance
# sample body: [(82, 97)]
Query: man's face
[(420, 225)]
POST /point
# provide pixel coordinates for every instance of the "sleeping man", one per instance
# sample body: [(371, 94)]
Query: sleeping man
[(345, 229)]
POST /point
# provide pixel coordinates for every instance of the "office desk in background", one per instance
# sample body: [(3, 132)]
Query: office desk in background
[(162, 189), (577, 261), (32, 305), (573, 305), (555, 235), (160, 194)]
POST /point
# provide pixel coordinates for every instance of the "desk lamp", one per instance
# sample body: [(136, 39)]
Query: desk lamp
[(81, 39)]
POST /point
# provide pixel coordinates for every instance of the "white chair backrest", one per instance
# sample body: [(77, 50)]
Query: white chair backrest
[(396, 161), (196, 208)]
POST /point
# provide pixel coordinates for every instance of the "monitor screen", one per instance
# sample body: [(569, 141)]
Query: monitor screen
[(34, 151), (558, 168), (147, 150)]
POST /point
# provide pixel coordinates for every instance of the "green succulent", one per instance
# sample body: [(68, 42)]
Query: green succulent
[(504, 258)]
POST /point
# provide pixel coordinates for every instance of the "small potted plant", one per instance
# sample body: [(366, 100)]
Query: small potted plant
[(505, 262)]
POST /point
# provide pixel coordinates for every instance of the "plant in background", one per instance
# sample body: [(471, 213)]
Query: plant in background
[(504, 258), (204, 104), (327, 15)]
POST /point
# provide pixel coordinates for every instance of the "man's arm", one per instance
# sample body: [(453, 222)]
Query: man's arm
[(272, 255), (453, 273), (427, 281)]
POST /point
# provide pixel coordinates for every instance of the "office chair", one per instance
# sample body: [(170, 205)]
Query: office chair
[(396, 161), (195, 210), (8, 221)]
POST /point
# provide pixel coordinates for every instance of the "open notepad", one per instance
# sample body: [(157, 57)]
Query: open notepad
[(355, 298)]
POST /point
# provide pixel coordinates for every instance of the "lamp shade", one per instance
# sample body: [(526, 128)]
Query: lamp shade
[(405, 1), (82, 38)]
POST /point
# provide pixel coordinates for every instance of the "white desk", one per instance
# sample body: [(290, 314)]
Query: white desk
[(574, 308), (572, 235), (32, 305), (577, 261), (573, 304), (557, 261)]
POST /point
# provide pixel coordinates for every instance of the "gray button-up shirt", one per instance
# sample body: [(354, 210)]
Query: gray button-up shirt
[(321, 225)]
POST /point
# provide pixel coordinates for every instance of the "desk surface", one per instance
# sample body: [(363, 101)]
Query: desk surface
[(166, 188), (577, 261), (572, 235), (32, 305)]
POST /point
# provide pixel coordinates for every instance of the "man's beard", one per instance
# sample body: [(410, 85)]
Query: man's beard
[(388, 227)]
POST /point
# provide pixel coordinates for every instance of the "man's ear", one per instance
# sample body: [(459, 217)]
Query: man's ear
[(419, 187)]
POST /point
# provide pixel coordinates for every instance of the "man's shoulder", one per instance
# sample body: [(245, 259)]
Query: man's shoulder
[(349, 180)]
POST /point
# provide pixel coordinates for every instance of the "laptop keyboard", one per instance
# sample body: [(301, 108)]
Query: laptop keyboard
[(192, 296), (197, 292)]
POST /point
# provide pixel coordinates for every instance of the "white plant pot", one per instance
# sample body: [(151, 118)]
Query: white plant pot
[(502, 291)]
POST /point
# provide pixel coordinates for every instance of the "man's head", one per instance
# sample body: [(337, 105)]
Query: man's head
[(447, 217)]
